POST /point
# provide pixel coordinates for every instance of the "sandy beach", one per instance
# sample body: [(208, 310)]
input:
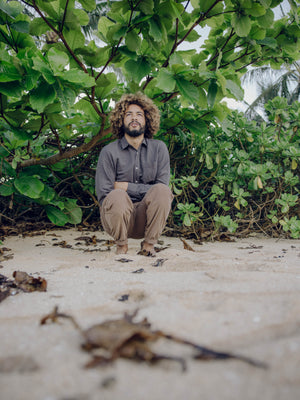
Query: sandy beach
[(241, 297)]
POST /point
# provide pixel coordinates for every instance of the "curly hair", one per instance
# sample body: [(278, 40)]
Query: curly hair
[(152, 115)]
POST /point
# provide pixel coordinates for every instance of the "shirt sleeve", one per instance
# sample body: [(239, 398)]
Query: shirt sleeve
[(105, 174), (138, 190)]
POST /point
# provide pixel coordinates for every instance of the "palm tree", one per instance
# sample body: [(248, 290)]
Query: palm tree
[(284, 82)]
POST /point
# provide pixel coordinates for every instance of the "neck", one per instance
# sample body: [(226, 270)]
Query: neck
[(134, 141)]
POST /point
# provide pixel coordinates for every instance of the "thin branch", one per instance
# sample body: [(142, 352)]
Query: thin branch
[(85, 147)]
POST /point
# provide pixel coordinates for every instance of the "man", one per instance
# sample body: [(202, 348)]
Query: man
[(132, 176)]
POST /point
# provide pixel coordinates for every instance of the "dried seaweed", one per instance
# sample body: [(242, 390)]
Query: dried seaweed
[(138, 271), (22, 282), (159, 262), (186, 246), (124, 338)]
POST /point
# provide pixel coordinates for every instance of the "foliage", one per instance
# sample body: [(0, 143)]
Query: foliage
[(248, 174), (57, 87)]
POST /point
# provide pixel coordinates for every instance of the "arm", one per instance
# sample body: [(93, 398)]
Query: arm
[(161, 173)]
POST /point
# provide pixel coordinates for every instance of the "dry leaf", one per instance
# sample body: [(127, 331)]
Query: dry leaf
[(128, 339), (186, 246)]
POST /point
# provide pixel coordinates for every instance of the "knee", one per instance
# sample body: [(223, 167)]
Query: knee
[(162, 190), (160, 194), (117, 202)]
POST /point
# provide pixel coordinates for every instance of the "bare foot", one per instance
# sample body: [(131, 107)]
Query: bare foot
[(122, 249), (147, 249)]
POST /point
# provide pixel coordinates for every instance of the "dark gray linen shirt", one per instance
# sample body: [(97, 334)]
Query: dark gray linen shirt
[(120, 162)]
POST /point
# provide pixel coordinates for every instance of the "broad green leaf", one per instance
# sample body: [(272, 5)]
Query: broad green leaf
[(187, 89), (8, 72), (165, 80), (57, 59), (197, 126), (269, 42), (146, 6), (47, 195), (13, 8), (79, 77), (40, 64), (88, 5), (6, 189), (138, 69), (266, 20), (29, 186), (74, 38), (242, 24), (43, 95), (73, 212), (212, 92), (235, 89), (11, 89), (104, 25), (257, 10), (56, 216), (205, 5), (21, 26), (38, 27), (155, 29), (133, 41), (81, 16)]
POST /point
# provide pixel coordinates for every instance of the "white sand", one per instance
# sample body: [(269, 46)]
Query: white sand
[(235, 296)]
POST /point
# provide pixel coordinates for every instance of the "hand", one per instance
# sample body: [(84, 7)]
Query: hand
[(121, 185)]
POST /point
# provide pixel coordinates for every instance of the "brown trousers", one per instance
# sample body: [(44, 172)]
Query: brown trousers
[(123, 219)]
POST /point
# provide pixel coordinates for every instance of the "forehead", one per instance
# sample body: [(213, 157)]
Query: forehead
[(134, 108)]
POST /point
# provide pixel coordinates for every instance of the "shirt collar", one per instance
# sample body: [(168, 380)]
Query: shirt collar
[(125, 144)]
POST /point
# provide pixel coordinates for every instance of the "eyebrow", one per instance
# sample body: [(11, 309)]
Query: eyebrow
[(131, 112)]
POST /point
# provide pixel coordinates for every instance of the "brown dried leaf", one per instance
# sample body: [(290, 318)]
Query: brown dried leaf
[(127, 339), (28, 283), (186, 246)]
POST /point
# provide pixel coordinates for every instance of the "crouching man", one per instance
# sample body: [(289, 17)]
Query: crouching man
[(132, 176)]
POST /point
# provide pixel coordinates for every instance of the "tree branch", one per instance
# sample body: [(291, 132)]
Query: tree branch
[(85, 147)]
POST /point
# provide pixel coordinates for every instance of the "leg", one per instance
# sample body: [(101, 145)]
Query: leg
[(151, 215), (116, 211)]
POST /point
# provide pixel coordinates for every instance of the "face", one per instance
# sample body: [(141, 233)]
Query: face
[(134, 121)]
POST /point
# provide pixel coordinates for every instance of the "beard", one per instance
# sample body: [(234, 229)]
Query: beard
[(134, 132)]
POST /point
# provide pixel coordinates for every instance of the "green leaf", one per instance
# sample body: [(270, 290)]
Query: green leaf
[(104, 25), (74, 38), (166, 80), (21, 26), (212, 92), (146, 6), (242, 24), (38, 27), (155, 29), (235, 89), (79, 77), (205, 5), (56, 216), (267, 19), (6, 189), (269, 42), (187, 89), (8, 72), (43, 95), (11, 89), (13, 8), (29, 186), (57, 59), (197, 126), (138, 69), (257, 10), (133, 41), (88, 5), (73, 212)]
